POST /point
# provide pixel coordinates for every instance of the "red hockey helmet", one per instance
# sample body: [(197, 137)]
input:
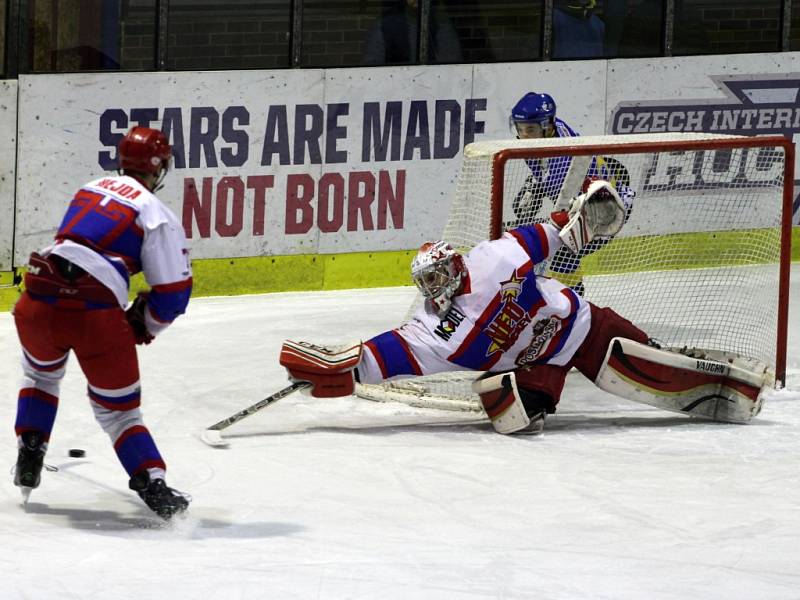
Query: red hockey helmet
[(145, 150)]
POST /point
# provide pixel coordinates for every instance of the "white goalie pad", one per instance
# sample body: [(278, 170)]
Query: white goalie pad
[(322, 359), (427, 392), (703, 383), (501, 401)]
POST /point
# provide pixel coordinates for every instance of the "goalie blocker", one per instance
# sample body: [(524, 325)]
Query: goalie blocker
[(702, 383), (328, 370)]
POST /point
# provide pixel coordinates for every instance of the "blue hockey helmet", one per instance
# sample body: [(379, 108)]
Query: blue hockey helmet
[(533, 115)]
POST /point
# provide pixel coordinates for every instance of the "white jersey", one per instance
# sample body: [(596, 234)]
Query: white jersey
[(114, 228), (505, 317)]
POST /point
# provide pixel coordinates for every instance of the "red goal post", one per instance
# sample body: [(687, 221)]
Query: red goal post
[(703, 259)]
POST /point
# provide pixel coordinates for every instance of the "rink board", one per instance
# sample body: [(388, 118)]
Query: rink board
[(8, 128), (315, 178), (222, 277)]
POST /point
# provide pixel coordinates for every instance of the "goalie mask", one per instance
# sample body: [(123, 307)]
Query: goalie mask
[(438, 272), (533, 116)]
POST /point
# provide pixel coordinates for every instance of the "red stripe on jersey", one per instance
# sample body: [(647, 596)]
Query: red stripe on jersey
[(123, 215), (87, 201), (520, 240), (178, 286), (543, 239), (541, 236), (492, 360), (562, 331), (378, 358), (409, 354), (476, 330)]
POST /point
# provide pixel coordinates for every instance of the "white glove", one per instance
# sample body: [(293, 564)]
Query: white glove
[(597, 212)]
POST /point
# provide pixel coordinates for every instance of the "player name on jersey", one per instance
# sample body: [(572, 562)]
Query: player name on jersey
[(119, 188)]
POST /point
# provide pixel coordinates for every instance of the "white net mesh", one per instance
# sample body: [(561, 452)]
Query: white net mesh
[(696, 263)]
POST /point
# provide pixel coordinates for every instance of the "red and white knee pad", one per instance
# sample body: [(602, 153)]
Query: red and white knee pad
[(503, 405)]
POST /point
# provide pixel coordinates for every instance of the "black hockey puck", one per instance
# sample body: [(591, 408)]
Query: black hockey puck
[(77, 453)]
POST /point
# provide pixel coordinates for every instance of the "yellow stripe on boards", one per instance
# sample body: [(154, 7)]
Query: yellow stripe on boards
[(9, 293), (260, 274), (225, 277), (683, 251)]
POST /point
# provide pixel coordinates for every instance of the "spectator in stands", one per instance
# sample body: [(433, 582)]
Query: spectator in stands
[(614, 14), (393, 39), (641, 29), (577, 31)]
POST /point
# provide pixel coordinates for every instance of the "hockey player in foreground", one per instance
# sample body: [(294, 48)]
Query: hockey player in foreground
[(76, 291), (487, 310)]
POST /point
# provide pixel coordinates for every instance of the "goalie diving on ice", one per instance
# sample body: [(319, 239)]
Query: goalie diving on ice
[(487, 311)]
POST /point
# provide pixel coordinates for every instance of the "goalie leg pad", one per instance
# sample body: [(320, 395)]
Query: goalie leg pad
[(501, 401), (328, 370), (706, 384)]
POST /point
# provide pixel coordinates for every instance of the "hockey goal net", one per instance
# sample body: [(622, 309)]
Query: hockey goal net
[(702, 260)]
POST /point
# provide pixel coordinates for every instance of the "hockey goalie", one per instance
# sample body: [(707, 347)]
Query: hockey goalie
[(487, 311)]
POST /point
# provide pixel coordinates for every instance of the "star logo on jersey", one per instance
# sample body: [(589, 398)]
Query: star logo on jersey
[(511, 287), (506, 326)]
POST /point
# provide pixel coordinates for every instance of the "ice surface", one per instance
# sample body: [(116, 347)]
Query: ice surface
[(348, 498)]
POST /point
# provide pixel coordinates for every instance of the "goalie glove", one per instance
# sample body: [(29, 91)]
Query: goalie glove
[(330, 371), (598, 211)]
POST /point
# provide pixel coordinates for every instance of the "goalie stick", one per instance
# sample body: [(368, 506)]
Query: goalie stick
[(212, 435)]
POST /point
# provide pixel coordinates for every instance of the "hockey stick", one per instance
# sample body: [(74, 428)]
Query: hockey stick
[(212, 435)]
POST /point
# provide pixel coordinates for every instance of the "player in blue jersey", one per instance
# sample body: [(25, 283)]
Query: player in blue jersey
[(76, 292), (534, 117)]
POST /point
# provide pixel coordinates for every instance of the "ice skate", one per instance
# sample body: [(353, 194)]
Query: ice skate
[(159, 497), (536, 425), (28, 471)]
